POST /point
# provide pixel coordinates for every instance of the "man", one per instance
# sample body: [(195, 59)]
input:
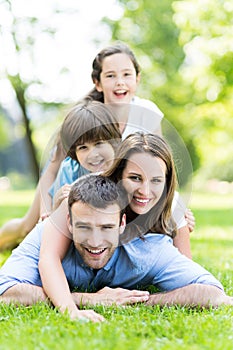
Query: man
[(95, 261)]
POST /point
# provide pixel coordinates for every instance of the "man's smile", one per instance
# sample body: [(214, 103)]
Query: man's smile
[(95, 251)]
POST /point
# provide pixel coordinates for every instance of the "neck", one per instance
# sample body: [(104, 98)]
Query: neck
[(121, 113)]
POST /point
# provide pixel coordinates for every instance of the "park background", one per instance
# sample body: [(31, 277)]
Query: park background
[(185, 50)]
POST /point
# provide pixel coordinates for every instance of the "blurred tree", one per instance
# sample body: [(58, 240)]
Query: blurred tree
[(206, 35), (185, 50), (20, 91), (18, 38), (3, 126)]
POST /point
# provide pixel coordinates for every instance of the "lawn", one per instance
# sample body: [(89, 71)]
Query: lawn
[(134, 327)]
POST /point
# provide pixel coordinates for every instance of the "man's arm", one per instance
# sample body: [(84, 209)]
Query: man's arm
[(192, 295), (24, 294), (111, 296)]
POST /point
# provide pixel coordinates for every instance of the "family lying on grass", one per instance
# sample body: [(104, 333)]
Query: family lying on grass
[(118, 240)]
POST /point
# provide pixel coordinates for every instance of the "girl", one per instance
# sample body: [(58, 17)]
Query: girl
[(145, 166)]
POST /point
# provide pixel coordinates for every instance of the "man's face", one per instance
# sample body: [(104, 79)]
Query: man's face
[(96, 232)]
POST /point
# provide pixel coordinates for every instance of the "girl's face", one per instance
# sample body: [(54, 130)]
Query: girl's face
[(95, 156), (144, 178), (118, 79)]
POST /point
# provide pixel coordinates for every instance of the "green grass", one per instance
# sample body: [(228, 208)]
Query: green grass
[(134, 327)]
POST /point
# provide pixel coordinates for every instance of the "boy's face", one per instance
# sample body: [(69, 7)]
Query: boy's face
[(96, 232), (118, 79), (95, 156)]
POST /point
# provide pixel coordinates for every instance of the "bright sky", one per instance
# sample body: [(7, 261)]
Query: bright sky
[(72, 45)]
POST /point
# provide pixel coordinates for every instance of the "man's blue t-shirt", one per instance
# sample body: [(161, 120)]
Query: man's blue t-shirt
[(137, 264)]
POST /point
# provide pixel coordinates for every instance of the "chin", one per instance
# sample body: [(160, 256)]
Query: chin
[(141, 211)]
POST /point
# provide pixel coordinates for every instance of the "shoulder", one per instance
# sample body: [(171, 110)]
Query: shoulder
[(147, 104), (151, 244), (69, 163)]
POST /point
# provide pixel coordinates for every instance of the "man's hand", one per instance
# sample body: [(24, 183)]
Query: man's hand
[(111, 296), (121, 296)]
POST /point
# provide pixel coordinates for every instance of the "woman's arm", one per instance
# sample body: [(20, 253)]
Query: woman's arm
[(182, 238), (182, 241)]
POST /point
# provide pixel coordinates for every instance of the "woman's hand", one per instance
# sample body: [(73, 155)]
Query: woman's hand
[(189, 217)]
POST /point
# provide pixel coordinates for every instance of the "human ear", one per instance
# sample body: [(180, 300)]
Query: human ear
[(70, 227), (123, 224), (98, 86), (138, 78)]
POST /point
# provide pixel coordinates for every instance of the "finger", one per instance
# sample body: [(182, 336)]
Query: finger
[(133, 300), (140, 292), (90, 315)]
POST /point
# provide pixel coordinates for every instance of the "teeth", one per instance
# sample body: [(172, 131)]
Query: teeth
[(96, 251), (95, 163), (120, 92), (142, 200)]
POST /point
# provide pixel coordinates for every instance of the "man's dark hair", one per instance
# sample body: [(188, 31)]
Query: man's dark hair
[(99, 192)]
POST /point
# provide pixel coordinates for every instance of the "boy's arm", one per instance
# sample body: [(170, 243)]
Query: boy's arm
[(54, 245)]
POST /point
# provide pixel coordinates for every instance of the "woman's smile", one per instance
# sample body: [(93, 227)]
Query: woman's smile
[(144, 179)]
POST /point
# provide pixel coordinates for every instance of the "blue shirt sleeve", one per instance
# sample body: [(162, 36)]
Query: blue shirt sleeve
[(67, 174), (155, 261)]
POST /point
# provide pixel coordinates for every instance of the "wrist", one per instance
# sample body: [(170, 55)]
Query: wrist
[(83, 299)]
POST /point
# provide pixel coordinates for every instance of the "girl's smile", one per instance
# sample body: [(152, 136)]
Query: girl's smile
[(118, 79)]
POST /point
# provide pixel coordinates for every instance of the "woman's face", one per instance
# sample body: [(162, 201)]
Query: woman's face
[(144, 178), (118, 79)]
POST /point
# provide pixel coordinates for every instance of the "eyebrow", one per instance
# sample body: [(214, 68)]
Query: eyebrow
[(78, 223), (113, 71), (82, 223), (154, 177)]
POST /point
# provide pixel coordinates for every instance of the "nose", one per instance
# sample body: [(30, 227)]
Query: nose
[(144, 188), (95, 239), (94, 152), (120, 80)]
